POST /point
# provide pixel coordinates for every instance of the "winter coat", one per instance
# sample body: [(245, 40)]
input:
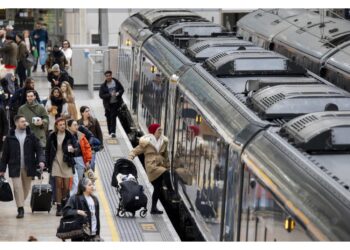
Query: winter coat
[(22, 52), (51, 150), (33, 154), (4, 126), (78, 202), (85, 149), (9, 53), (36, 110), (156, 162), (62, 77), (42, 36), (19, 98), (56, 57), (106, 96), (94, 127)]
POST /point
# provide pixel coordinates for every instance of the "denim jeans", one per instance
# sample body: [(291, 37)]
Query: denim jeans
[(79, 173)]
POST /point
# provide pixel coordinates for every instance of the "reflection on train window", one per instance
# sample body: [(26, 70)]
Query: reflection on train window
[(153, 94), (200, 158), (263, 219)]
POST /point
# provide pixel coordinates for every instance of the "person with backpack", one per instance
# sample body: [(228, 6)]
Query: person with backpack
[(92, 125)]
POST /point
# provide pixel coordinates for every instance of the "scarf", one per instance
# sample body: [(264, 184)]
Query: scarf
[(156, 143), (58, 102)]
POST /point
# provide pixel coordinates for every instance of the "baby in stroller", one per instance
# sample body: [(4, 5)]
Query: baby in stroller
[(130, 193)]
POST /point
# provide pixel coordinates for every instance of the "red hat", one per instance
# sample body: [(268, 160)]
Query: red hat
[(153, 128), (195, 129), (9, 66)]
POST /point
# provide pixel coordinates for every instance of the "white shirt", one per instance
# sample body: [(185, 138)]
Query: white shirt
[(91, 205), (156, 143), (68, 53)]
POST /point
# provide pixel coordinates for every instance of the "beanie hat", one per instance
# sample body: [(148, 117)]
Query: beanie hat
[(153, 128), (55, 67), (195, 129)]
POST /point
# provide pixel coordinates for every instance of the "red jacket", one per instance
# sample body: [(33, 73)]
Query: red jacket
[(85, 148)]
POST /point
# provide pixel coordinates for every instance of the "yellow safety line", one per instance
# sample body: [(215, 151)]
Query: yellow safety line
[(104, 202)]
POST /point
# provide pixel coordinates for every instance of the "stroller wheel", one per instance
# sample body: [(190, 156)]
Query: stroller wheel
[(121, 213), (143, 213)]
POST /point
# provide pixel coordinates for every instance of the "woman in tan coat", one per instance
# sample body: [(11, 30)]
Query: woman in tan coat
[(155, 148)]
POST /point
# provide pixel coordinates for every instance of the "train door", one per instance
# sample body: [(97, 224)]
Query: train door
[(263, 218), (199, 164), (230, 221)]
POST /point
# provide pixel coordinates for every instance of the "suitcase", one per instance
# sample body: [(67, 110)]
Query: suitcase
[(41, 198)]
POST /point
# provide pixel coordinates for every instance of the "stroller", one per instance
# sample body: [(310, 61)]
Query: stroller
[(130, 193)]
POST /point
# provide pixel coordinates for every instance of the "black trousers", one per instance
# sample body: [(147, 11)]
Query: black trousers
[(111, 115), (158, 184), (22, 74)]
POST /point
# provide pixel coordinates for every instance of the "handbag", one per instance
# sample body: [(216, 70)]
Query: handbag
[(73, 227), (30, 61), (5, 190)]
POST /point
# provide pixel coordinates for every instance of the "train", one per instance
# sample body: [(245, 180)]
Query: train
[(259, 146), (317, 42)]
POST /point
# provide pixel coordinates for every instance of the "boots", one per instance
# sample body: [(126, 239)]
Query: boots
[(20, 213), (154, 210), (59, 210), (43, 68)]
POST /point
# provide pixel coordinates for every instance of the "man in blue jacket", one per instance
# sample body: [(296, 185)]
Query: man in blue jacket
[(39, 35)]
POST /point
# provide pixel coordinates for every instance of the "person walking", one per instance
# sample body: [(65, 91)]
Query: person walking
[(68, 53), (92, 125), (111, 92), (20, 98), (83, 154), (4, 126), (31, 48), (9, 85), (155, 148), (85, 204), (56, 76), (68, 95), (9, 53), (60, 160), (56, 57), (39, 35), (22, 152), (56, 107), (36, 116), (22, 54)]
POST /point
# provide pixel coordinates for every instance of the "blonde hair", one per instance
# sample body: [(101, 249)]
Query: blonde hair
[(69, 91)]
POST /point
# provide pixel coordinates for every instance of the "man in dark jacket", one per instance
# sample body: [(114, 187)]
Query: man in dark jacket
[(111, 92), (22, 152), (9, 52), (57, 76), (56, 57), (39, 35), (4, 125)]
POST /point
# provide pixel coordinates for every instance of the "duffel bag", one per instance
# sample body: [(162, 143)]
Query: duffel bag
[(5, 190)]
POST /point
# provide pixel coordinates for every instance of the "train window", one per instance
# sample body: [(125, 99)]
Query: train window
[(263, 219), (199, 163), (153, 95)]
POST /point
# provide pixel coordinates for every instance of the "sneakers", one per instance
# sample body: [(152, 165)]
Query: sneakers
[(112, 135), (20, 214)]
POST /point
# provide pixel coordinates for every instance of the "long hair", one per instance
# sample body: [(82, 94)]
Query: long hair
[(69, 91)]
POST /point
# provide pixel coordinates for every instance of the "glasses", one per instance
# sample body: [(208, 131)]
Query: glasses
[(65, 43)]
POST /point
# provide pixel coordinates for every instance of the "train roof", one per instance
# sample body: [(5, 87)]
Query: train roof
[(340, 59), (193, 28), (136, 29), (205, 49)]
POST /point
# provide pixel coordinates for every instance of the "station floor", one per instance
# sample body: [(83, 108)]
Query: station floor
[(43, 225)]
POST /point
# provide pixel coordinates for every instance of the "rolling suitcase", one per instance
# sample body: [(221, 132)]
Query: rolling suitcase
[(41, 197)]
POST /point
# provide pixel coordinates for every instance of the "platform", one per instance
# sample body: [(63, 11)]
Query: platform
[(43, 225)]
